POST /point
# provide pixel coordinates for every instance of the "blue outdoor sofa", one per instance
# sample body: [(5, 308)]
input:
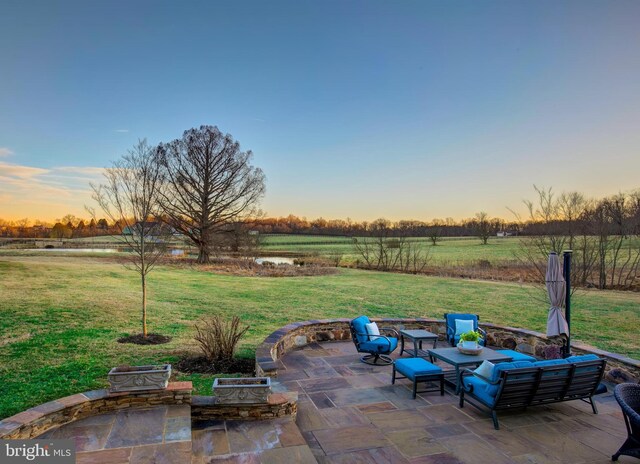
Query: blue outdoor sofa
[(520, 384)]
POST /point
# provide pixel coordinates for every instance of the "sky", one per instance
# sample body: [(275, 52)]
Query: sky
[(359, 109)]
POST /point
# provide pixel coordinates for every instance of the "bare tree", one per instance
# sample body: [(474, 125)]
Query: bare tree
[(384, 252), (614, 221), (570, 206), (483, 227), (434, 232), (129, 197), (558, 223), (210, 183)]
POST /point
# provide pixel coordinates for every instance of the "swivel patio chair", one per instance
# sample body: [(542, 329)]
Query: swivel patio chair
[(628, 397), (377, 347), (450, 322)]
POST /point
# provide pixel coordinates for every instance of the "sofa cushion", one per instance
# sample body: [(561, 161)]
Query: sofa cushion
[(550, 362), (412, 367), (480, 389), (553, 362), (379, 345), (517, 356), (497, 372), (582, 357)]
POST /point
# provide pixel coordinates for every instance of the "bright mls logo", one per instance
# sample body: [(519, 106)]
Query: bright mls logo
[(38, 451)]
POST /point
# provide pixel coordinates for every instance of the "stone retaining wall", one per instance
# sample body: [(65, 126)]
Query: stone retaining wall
[(35, 421), (619, 368), (278, 405)]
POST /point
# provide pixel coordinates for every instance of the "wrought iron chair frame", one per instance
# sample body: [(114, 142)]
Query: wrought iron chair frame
[(624, 394), (373, 358)]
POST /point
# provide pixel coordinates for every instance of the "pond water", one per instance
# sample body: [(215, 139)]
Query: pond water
[(76, 250), (275, 260), (172, 251)]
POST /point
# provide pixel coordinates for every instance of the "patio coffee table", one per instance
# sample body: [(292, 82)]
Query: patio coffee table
[(417, 336), (458, 360)]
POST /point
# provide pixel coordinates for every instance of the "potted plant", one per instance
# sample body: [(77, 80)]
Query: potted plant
[(135, 378), (242, 390), (470, 340)]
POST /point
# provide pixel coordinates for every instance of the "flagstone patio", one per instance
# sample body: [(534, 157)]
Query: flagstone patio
[(348, 412)]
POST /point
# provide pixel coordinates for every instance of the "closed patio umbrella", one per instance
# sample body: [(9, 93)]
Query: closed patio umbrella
[(556, 323)]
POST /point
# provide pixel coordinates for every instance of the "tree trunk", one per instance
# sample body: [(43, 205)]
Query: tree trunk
[(144, 305), (203, 254)]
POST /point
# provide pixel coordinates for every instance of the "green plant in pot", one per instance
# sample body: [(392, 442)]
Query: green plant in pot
[(470, 340)]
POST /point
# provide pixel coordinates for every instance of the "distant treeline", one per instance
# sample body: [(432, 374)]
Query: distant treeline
[(67, 227), (71, 227), (405, 228), (568, 214)]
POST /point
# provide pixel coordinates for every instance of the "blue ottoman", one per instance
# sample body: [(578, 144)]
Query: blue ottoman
[(418, 370), (517, 356)]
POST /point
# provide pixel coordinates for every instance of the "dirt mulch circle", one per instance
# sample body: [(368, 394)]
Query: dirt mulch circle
[(150, 339), (200, 365)]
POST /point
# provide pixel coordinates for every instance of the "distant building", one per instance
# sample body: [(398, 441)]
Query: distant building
[(506, 233)]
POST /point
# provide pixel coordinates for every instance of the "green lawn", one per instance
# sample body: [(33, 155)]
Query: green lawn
[(451, 251), (60, 316)]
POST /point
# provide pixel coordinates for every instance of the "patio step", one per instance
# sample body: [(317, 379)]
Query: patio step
[(266, 441)]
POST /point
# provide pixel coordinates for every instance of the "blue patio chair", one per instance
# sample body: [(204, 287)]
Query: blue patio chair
[(628, 397), (377, 347), (450, 323)]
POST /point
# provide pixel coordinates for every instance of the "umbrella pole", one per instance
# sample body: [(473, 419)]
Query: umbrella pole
[(567, 304)]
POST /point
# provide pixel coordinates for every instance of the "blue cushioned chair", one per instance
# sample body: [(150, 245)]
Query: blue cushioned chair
[(450, 323), (378, 347)]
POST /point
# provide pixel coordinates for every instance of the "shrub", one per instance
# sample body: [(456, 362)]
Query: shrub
[(219, 337)]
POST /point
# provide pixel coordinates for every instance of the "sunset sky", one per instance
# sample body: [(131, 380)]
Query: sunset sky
[(361, 109)]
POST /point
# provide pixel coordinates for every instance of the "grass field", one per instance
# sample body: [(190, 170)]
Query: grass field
[(60, 316), (456, 251)]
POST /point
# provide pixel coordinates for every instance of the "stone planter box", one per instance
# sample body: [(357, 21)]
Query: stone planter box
[(242, 390), (134, 378)]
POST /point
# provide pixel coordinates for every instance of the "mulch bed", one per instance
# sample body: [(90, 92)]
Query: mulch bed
[(150, 339), (200, 365)]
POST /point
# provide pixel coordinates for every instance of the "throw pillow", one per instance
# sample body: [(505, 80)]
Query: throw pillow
[(372, 329), (485, 369), (463, 325)]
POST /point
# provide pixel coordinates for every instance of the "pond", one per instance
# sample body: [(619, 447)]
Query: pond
[(76, 250), (275, 260)]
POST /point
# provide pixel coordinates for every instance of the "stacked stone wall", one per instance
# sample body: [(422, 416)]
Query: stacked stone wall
[(619, 368), (278, 405), (35, 421)]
